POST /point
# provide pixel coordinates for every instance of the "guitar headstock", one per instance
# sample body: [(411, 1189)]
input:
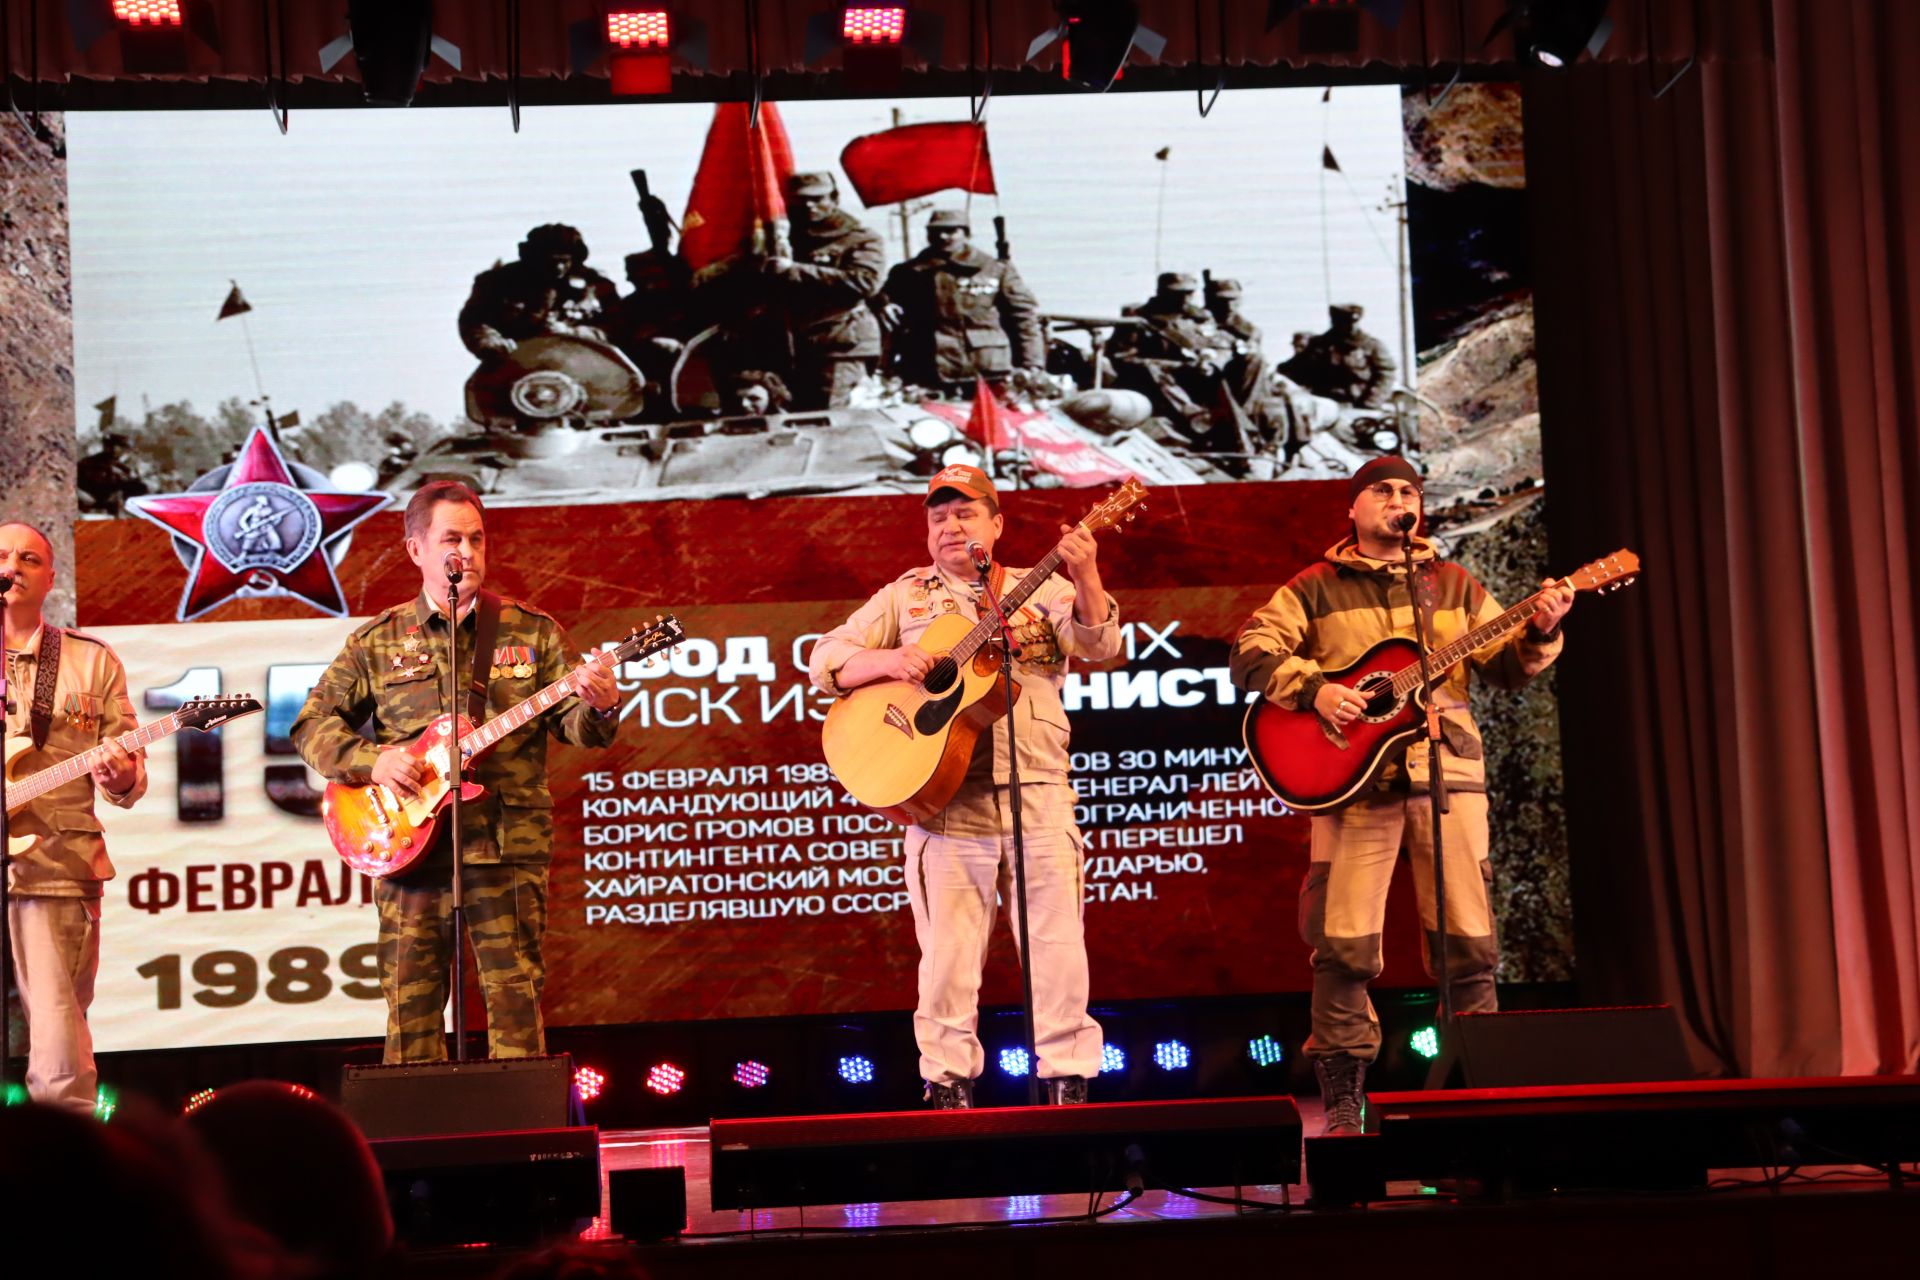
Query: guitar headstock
[(211, 713), (1121, 507), (664, 633), (1608, 573)]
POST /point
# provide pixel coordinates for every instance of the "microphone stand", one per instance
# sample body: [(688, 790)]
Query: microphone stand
[(457, 762), (982, 564), (6, 906), (1437, 794)]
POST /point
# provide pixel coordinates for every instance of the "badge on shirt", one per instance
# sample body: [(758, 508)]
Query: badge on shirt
[(82, 711), (514, 660)]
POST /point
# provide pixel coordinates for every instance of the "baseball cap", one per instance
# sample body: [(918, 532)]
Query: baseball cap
[(971, 481)]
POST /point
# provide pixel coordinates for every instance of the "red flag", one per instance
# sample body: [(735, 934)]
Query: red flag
[(917, 160), (988, 423), (738, 204)]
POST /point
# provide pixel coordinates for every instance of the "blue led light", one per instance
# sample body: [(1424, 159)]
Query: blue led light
[(1265, 1051), (1014, 1061), (1171, 1055), (855, 1069), (1112, 1058), (750, 1074)]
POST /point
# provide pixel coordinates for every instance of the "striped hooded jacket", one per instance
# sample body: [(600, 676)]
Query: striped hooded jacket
[(1330, 614)]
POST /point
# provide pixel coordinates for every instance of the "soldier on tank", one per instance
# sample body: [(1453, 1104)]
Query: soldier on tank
[(958, 313), (106, 478), (652, 323), (548, 289), (1179, 359), (1345, 363), (821, 293)]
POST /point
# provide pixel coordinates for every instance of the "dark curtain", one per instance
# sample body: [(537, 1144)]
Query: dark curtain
[(1727, 280)]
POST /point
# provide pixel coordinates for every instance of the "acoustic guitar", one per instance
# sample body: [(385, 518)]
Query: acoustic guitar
[(901, 747), (1314, 767), (27, 783), (381, 833)]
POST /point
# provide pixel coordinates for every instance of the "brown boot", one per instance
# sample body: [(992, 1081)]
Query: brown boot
[(1343, 1081)]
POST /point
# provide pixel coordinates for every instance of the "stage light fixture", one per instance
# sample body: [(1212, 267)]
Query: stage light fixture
[(750, 1074), (640, 58), (1095, 37), (1555, 33), (1014, 1061), (1265, 1051), (16, 1095), (856, 1069), (392, 41), (1425, 1042), (589, 1083), (1112, 1058), (874, 24), (157, 13), (666, 1079), (198, 1100), (1171, 1055), (639, 28), (105, 1103)]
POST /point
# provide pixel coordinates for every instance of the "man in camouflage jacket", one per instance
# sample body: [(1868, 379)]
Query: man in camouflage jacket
[(391, 675), (961, 313)]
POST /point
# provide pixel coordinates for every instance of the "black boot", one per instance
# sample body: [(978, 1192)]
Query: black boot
[(1065, 1091), (957, 1096), (1343, 1089)]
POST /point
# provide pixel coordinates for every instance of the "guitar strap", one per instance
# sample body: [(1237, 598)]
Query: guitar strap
[(46, 674), (486, 625)]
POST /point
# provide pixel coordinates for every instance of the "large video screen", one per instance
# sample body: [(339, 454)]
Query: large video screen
[(685, 383)]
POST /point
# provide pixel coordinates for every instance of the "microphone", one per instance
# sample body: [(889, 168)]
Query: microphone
[(1404, 522), (454, 566), (6, 582), (978, 554)]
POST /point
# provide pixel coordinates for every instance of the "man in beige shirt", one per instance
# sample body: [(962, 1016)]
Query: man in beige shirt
[(958, 860), (57, 858)]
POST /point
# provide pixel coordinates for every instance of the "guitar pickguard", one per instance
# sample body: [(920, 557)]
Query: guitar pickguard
[(933, 716)]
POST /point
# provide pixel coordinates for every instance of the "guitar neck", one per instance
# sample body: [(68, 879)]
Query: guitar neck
[(59, 775), (989, 625), (527, 708), (1448, 656)]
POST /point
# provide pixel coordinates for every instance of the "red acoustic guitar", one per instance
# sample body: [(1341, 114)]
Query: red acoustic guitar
[(381, 834), (1314, 767)]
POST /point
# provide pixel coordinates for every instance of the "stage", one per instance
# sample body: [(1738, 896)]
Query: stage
[(1745, 1221)]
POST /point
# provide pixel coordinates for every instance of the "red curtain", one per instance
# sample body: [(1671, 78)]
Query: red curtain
[(1728, 291)]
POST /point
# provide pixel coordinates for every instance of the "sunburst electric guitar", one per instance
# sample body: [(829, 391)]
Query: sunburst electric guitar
[(29, 776), (381, 833), (901, 747), (1314, 767)]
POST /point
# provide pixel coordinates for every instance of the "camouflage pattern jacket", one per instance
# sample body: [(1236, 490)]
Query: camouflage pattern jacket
[(57, 848), (1330, 614), (965, 315), (836, 268), (392, 674)]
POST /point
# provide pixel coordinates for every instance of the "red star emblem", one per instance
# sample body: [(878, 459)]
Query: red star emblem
[(260, 533)]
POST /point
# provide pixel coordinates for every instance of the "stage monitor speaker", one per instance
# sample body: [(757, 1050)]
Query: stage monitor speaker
[(1508, 1050), (419, 1099), (494, 1188), (998, 1151), (647, 1204)]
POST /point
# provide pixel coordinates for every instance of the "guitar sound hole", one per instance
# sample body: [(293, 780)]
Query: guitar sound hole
[(1381, 704), (942, 676)]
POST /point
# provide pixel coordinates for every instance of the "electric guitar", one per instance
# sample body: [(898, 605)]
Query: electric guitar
[(1314, 767), (381, 833), (25, 783), (901, 747)]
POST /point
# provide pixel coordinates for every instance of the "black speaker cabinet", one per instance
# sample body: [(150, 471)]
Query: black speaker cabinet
[(421, 1099), (520, 1187), (647, 1204), (1625, 1044)]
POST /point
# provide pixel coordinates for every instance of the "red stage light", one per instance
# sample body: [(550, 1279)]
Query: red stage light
[(874, 23), (197, 1101), (156, 13), (589, 1082), (640, 29), (665, 1079)]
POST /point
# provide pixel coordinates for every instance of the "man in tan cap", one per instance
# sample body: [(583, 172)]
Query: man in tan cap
[(822, 292), (959, 859), (960, 313)]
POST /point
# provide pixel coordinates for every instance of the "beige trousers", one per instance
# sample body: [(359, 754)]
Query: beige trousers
[(56, 954), (957, 864)]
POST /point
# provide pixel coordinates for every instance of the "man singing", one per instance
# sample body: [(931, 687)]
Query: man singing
[(958, 859), (1325, 619), (392, 674), (66, 695)]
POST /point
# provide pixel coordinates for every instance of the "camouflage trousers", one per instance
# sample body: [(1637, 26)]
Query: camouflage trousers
[(506, 910), (1343, 909)]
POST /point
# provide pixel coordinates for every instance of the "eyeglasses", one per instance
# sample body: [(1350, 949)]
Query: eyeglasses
[(1387, 490)]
